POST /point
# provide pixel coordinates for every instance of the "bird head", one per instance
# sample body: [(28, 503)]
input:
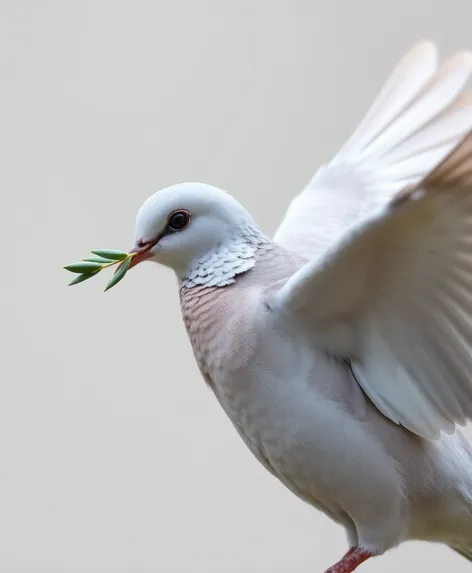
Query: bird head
[(198, 230)]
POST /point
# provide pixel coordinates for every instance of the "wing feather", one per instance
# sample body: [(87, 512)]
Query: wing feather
[(419, 116), (410, 76), (400, 285)]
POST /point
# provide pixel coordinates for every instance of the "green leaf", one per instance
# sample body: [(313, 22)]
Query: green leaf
[(83, 267), (120, 273), (82, 278), (100, 260), (110, 254)]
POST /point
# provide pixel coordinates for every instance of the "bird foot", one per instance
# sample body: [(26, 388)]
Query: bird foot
[(353, 558)]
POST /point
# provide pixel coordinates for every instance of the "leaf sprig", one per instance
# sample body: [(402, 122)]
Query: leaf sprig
[(102, 259)]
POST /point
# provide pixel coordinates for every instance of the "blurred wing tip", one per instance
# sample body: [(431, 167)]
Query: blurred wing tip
[(426, 45), (462, 59), (425, 48)]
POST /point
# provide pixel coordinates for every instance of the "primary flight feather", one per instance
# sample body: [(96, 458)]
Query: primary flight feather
[(341, 349)]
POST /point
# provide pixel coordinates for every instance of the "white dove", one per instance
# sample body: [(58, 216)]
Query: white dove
[(341, 350)]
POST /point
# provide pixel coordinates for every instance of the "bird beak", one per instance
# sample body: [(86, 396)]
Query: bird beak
[(143, 252)]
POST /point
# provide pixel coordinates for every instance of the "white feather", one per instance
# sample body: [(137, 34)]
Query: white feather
[(400, 285), (417, 119)]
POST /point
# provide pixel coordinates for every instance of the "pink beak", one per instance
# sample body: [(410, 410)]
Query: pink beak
[(143, 252)]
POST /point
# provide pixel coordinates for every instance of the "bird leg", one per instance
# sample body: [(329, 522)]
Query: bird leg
[(353, 558)]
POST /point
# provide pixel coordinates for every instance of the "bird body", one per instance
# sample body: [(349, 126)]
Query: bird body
[(304, 416), (341, 349)]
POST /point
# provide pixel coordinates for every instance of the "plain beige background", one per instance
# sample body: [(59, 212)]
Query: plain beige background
[(114, 455)]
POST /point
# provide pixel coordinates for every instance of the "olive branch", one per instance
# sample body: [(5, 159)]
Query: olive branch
[(102, 259)]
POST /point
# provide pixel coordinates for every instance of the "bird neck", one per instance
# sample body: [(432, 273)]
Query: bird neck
[(219, 266)]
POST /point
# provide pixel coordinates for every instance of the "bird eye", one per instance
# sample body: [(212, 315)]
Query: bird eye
[(178, 220)]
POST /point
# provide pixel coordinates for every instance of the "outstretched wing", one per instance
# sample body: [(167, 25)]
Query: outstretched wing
[(395, 295), (419, 116)]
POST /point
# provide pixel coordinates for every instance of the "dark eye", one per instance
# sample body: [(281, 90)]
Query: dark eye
[(178, 220)]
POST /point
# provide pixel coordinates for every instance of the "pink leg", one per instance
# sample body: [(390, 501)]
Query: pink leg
[(353, 558)]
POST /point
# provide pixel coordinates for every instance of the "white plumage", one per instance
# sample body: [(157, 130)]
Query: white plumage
[(417, 119), (341, 350)]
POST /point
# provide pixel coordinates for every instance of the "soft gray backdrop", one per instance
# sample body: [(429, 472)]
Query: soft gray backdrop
[(114, 455)]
